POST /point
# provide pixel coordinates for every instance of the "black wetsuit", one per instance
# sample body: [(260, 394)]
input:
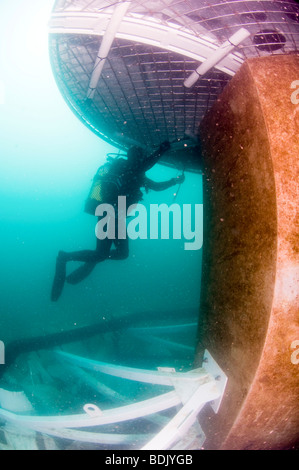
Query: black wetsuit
[(132, 180)]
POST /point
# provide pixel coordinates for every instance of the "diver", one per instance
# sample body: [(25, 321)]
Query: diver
[(117, 177)]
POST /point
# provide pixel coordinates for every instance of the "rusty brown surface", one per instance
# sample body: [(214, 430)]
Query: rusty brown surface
[(250, 287)]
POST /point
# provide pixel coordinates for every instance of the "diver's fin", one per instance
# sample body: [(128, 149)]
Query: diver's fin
[(81, 273), (59, 278)]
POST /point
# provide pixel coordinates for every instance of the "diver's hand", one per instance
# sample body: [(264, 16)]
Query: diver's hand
[(179, 179), (164, 146)]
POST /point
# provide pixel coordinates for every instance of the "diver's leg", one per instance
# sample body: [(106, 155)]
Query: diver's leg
[(121, 247), (81, 273), (89, 257), (121, 251), (100, 254)]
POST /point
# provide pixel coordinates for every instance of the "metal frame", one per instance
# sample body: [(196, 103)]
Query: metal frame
[(138, 95), (148, 31), (192, 390)]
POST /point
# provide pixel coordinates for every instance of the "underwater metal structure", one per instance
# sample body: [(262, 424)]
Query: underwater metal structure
[(148, 71), (144, 72), (164, 416)]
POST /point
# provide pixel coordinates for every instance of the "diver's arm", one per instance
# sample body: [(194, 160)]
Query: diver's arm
[(150, 184), (155, 157)]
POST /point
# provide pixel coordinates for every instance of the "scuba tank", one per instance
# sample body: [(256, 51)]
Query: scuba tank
[(105, 186)]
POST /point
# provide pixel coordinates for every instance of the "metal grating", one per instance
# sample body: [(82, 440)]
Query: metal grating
[(140, 96)]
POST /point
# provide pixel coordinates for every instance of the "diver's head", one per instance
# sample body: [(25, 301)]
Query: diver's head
[(135, 155)]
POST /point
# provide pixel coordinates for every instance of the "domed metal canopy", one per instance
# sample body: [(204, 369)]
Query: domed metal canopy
[(145, 71)]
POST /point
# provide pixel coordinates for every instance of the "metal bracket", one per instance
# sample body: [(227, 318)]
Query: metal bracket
[(215, 371)]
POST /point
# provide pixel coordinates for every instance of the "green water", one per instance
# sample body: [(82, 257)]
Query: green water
[(47, 161)]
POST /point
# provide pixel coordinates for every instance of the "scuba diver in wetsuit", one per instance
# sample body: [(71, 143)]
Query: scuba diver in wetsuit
[(118, 177)]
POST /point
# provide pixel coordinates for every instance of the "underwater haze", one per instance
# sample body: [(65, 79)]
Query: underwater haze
[(48, 159)]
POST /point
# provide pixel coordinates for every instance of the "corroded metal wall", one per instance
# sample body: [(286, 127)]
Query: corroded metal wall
[(250, 291)]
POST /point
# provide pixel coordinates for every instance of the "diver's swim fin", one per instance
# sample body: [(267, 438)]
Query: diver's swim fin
[(81, 273), (59, 278)]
